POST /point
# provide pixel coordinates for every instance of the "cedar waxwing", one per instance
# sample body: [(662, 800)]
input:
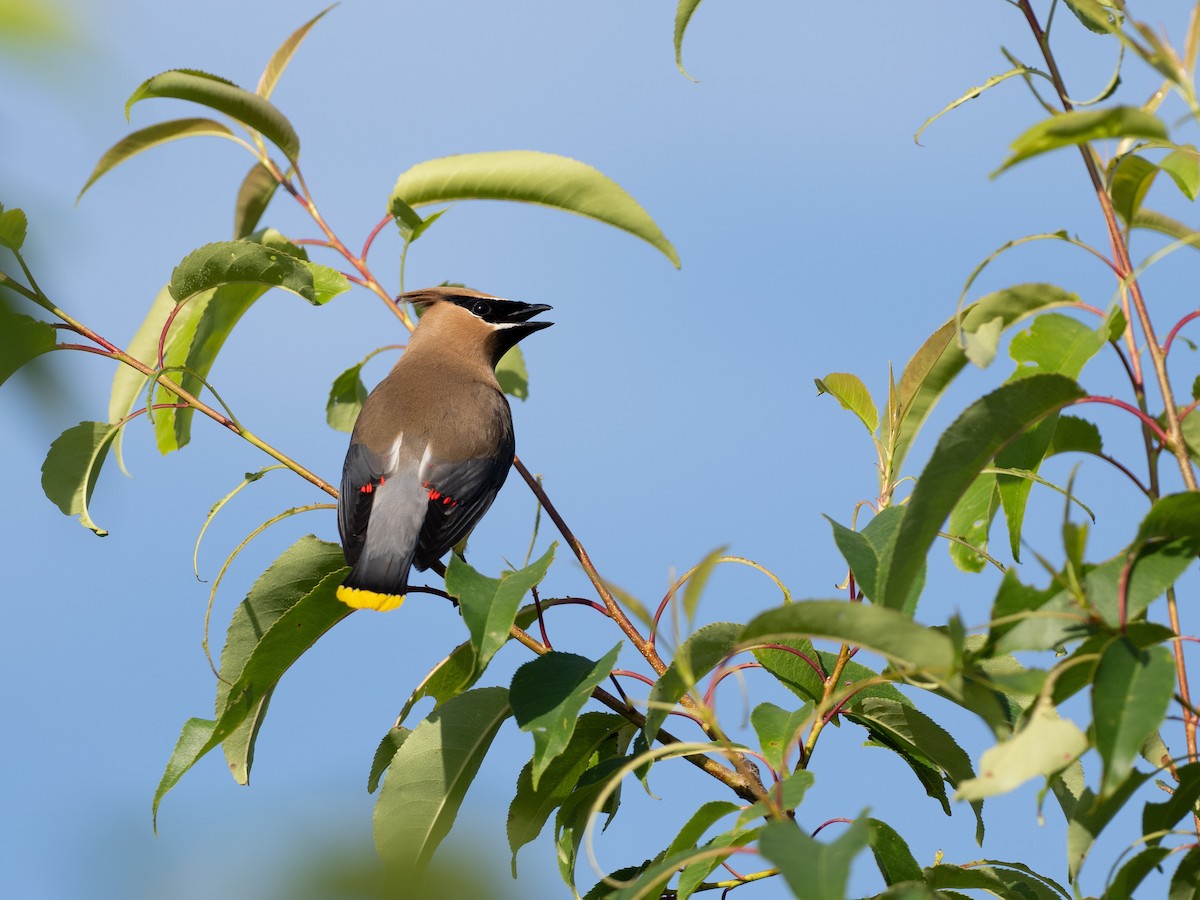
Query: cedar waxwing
[(432, 445)]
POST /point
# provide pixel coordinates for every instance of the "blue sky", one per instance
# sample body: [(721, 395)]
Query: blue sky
[(670, 412)]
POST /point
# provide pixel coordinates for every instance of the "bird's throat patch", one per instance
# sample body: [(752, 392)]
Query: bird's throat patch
[(358, 598)]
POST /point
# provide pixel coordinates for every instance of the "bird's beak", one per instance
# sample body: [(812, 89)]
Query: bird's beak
[(518, 319)]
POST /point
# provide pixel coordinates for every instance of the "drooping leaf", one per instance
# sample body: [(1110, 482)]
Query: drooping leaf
[(226, 97), (1080, 127), (528, 176), (72, 467), (853, 395), (1131, 690), (983, 430), (1000, 879), (573, 816), (777, 731), (254, 193), (13, 226), (1045, 745), (1151, 220), (547, 695), (489, 605), (193, 738), (280, 58), (895, 861), (694, 588), (22, 339), (971, 521), (430, 775), (346, 397), (152, 136), (887, 632), (1185, 883), (1092, 814), (869, 551), (293, 576), (1094, 15), (683, 15), (389, 744), (248, 262), (1129, 184), (693, 659), (695, 873), (531, 807), (1183, 165), (1162, 817), (512, 374), (1134, 872), (798, 857)]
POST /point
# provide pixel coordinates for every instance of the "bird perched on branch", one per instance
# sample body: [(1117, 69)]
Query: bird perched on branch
[(432, 445)]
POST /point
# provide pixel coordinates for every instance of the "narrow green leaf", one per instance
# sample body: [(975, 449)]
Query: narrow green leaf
[(868, 552), (814, 871), (895, 861), (1172, 228), (887, 632), (1132, 688), (254, 193), (1044, 746), (695, 657), (547, 695), (384, 754), (683, 15), (248, 262), (13, 226), (489, 605), (571, 820), (1092, 814), (1185, 883), (1129, 184), (1134, 872), (22, 339), (528, 176), (531, 807), (430, 775), (194, 737), (280, 58), (983, 430), (798, 676), (1007, 880), (940, 359), (152, 136), (1164, 816), (1183, 165), (694, 588), (692, 876), (1079, 127), (72, 467), (853, 395), (224, 96), (1093, 14), (777, 731), (1075, 435), (512, 374), (971, 520), (680, 851), (346, 397), (787, 794), (288, 580)]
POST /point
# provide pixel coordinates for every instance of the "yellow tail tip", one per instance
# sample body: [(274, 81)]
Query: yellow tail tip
[(358, 598)]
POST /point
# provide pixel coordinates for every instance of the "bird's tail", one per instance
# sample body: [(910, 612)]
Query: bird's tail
[(379, 579)]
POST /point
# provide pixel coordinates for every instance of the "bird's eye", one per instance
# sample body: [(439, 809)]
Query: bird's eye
[(481, 308)]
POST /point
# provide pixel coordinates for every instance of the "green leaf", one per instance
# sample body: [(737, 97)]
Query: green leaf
[(384, 754), (1091, 815), (940, 359), (694, 588), (152, 136), (982, 431), (195, 735), (853, 395), (430, 774), (683, 15), (694, 658), (512, 374), (1094, 15), (248, 262), (1001, 879), (869, 552), (1129, 184), (1045, 745), (1134, 872), (787, 794), (777, 731), (1079, 127), (681, 850), (907, 645), (346, 398), (280, 58), (572, 818), (1131, 690), (547, 695), (489, 605), (13, 226), (1173, 228), (1185, 883), (814, 871), (916, 737), (1162, 817), (692, 876), (1075, 435), (531, 807), (224, 96), (528, 176), (1183, 165), (72, 467), (254, 193), (895, 861), (22, 339), (798, 676), (293, 576), (971, 520)]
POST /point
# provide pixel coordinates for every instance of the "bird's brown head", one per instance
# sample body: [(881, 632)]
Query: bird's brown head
[(472, 321)]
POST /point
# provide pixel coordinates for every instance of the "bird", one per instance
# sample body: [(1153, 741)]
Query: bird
[(433, 442)]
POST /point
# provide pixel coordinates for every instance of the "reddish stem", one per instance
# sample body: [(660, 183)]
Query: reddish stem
[(721, 674), (1175, 330), (537, 604), (371, 237), (1147, 420), (816, 666), (830, 822), (638, 676)]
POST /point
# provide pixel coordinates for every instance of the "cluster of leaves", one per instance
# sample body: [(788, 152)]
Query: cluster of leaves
[(1094, 631)]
